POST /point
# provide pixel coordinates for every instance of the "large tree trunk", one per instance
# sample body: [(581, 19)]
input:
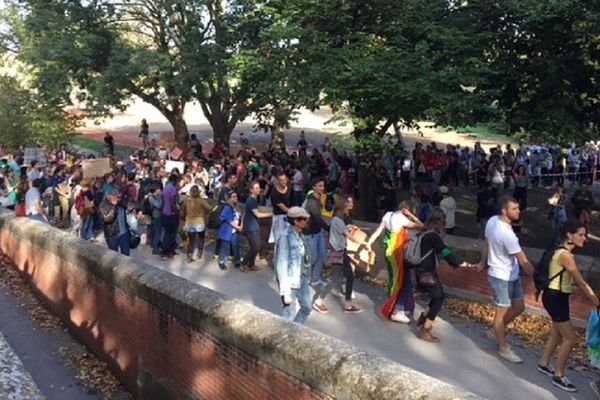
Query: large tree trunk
[(220, 121), (367, 194), (277, 135), (180, 129)]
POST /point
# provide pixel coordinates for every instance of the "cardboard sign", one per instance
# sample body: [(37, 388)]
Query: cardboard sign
[(171, 165), (358, 253), (176, 153), (95, 168), (34, 153)]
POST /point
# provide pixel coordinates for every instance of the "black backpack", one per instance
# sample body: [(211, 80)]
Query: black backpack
[(541, 275), (214, 218), (146, 206)]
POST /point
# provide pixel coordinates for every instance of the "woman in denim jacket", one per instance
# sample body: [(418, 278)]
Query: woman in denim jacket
[(292, 267)]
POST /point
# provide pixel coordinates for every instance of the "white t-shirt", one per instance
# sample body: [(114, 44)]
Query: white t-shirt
[(297, 178), (448, 206), (503, 247), (32, 175), (32, 198), (395, 220)]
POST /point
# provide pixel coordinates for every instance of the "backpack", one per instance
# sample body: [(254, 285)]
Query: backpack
[(541, 275), (214, 218), (147, 206), (412, 249)]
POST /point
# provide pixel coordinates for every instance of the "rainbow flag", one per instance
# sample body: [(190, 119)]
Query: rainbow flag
[(394, 255)]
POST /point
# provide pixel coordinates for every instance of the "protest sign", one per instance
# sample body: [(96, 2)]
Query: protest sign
[(171, 165), (34, 153), (96, 167), (176, 153)]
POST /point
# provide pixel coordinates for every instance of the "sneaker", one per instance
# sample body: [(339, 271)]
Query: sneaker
[(564, 383), (352, 310), (400, 316), (222, 266), (320, 308), (216, 257), (247, 268), (546, 369), (155, 252), (510, 356), (322, 282), (595, 385), (237, 265), (343, 291)]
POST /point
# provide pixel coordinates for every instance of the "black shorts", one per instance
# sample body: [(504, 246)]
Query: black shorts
[(556, 304)]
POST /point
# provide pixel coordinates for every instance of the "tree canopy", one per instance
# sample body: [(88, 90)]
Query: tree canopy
[(529, 67)]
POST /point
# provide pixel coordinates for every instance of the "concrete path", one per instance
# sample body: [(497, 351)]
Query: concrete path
[(30, 365), (465, 358)]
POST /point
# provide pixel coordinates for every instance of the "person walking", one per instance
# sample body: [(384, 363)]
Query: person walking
[(113, 214), (156, 204), (448, 206), (504, 257), (170, 218), (338, 236), (316, 240), (432, 247), (145, 133), (562, 272), (292, 267), (194, 212), (281, 201), (396, 225), (251, 227), (229, 231), (34, 208)]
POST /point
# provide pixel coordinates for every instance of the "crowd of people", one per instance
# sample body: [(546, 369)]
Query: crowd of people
[(309, 194)]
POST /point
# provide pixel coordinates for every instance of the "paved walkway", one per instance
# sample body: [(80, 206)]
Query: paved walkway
[(15, 381), (465, 358)]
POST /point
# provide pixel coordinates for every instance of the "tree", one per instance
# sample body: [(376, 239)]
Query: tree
[(23, 120), (379, 63), (545, 61)]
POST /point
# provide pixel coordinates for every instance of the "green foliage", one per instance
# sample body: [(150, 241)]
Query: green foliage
[(24, 121)]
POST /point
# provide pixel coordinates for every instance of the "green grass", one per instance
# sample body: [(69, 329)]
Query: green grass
[(97, 146), (480, 129)]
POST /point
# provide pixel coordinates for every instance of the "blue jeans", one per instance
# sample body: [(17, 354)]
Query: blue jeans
[(316, 254), (37, 217), (121, 242), (156, 232), (303, 296), (87, 230), (234, 245), (407, 290)]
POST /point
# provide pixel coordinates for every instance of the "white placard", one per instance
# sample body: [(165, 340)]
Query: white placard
[(171, 165)]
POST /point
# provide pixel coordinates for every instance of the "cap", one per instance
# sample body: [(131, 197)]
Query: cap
[(297, 212), (444, 189)]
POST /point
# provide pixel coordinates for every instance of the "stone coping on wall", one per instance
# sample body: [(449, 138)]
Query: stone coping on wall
[(322, 362)]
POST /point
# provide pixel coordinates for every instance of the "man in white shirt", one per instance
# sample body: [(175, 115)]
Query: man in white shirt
[(448, 206), (502, 254), (33, 202), (34, 172)]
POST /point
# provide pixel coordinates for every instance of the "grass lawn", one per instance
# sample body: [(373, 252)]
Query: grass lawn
[(480, 129), (97, 146)]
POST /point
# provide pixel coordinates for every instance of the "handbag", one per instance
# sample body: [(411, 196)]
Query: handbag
[(334, 257), (20, 211), (427, 279), (134, 240)]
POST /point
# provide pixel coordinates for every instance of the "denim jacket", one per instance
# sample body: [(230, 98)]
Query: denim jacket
[(290, 263)]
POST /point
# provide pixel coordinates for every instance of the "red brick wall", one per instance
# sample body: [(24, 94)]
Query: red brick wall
[(474, 282), (138, 340)]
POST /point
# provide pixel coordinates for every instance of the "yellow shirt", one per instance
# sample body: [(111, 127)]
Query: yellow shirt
[(555, 268)]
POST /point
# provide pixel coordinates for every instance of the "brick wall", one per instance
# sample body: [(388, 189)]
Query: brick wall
[(167, 338), (476, 284), (133, 334)]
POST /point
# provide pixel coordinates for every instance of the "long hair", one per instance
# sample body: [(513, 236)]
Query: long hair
[(436, 221)]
